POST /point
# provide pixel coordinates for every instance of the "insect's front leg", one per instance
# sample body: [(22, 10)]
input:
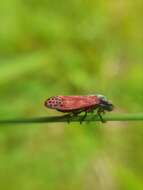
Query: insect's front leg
[(99, 113)]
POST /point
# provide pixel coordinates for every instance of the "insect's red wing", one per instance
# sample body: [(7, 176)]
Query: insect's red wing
[(70, 103)]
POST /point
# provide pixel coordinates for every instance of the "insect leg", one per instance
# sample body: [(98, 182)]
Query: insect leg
[(87, 110), (99, 111), (83, 118), (73, 114), (70, 116)]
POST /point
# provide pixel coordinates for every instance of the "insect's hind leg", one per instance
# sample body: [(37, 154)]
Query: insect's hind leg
[(76, 113), (73, 114), (80, 111), (83, 118)]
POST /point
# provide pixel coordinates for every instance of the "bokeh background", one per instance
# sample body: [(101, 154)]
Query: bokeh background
[(52, 47)]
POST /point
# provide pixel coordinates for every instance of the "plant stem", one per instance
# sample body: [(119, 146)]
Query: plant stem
[(65, 118)]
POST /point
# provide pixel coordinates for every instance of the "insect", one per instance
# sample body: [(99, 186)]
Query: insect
[(75, 105)]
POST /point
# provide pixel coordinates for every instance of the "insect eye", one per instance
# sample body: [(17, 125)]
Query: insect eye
[(102, 97)]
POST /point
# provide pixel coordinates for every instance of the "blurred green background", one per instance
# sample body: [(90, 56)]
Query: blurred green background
[(63, 48)]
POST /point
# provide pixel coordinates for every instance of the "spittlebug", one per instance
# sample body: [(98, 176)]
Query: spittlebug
[(74, 105)]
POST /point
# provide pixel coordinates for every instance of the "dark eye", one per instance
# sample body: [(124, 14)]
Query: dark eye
[(102, 97)]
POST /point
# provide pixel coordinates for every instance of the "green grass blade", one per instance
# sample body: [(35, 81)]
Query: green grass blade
[(64, 118)]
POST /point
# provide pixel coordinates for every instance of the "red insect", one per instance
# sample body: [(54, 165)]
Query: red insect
[(74, 105)]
